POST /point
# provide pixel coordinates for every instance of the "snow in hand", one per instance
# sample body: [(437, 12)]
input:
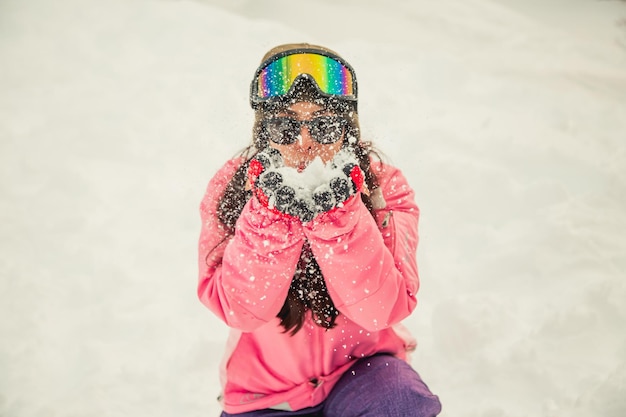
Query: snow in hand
[(317, 174)]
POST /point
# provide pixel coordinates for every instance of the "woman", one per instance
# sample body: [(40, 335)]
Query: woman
[(307, 253)]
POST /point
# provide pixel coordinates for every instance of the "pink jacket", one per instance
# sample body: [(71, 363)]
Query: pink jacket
[(370, 271)]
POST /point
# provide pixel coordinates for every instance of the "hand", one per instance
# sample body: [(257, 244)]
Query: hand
[(347, 179), (318, 189), (266, 176)]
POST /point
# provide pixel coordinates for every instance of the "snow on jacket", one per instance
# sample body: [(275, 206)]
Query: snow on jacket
[(370, 270)]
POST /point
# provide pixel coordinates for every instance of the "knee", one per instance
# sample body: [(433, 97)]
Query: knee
[(405, 394), (384, 385), (408, 401)]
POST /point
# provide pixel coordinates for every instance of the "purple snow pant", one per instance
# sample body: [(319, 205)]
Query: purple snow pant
[(377, 386)]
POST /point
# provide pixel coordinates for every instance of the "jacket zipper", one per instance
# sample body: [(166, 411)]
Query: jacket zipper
[(317, 339)]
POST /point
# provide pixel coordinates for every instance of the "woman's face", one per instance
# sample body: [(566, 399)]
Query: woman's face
[(302, 152)]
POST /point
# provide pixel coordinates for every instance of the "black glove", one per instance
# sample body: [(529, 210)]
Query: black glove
[(346, 179)]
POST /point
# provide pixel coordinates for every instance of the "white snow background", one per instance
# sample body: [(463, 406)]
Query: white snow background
[(507, 116)]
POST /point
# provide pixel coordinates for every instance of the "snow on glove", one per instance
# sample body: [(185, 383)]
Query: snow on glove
[(267, 175), (344, 178), (319, 188)]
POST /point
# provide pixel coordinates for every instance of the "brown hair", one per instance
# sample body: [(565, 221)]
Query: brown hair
[(291, 46), (308, 289)]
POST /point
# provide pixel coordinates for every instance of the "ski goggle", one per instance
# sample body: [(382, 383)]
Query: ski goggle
[(275, 77), (323, 129)]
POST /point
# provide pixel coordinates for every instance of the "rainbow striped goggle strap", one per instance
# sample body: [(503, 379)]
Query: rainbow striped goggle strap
[(275, 77)]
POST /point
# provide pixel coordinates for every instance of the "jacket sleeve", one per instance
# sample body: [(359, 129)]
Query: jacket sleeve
[(370, 264), (244, 278)]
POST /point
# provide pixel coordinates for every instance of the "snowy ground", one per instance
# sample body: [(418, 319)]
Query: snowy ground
[(507, 116)]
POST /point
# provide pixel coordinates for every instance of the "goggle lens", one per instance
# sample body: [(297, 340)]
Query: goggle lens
[(275, 78)]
